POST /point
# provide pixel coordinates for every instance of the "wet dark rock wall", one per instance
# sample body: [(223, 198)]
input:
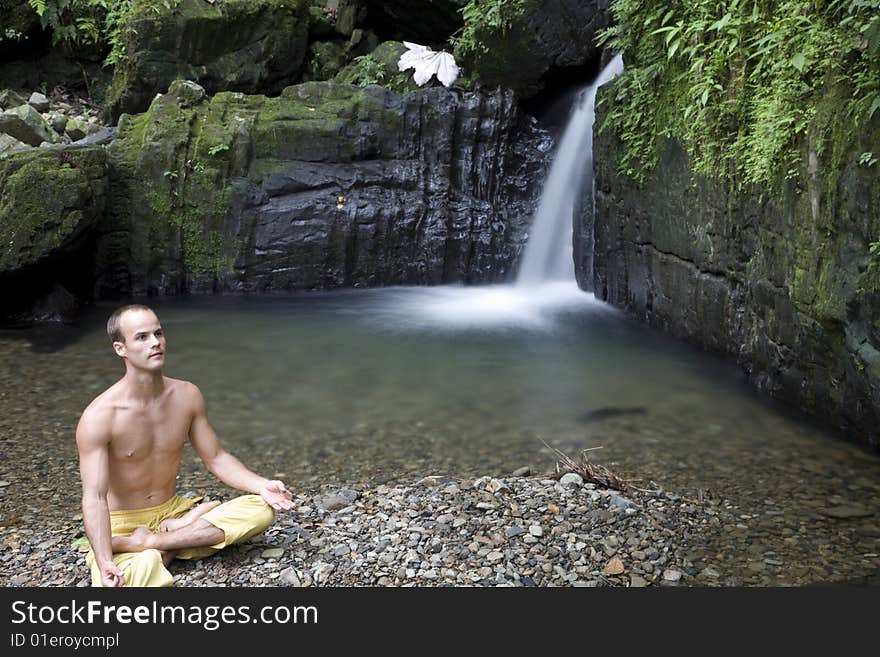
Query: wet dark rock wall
[(780, 282), (327, 185)]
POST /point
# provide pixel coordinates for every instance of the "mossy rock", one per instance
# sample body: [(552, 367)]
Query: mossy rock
[(238, 45), (48, 199)]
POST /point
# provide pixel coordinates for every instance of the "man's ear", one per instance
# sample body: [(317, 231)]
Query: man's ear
[(119, 348)]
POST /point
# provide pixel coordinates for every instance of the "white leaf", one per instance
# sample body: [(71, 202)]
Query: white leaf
[(426, 63)]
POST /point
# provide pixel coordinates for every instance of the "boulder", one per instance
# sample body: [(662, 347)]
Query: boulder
[(26, 124), (10, 143), (48, 200), (39, 102), (238, 45)]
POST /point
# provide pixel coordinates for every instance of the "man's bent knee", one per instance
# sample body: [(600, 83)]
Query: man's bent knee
[(148, 569), (264, 516)]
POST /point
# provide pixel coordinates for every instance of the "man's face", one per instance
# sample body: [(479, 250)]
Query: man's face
[(144, 345)]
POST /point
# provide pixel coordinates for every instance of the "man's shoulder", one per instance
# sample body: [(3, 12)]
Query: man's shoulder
[(103, 404), (96, 421), (185, 392), (181, 386)]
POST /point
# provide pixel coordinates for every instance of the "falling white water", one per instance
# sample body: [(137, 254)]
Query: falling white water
[(545, 289), (548, 253)]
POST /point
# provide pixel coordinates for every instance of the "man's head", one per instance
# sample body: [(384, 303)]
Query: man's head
[(137, 336)]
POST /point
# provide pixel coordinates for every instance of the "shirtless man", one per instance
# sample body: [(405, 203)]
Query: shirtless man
[(130, 441)]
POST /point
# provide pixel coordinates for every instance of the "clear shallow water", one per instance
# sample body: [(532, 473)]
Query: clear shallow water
[(398, 383)]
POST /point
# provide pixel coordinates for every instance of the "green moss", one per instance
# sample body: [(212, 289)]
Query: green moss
[(41, 205), (306, 122), (198, 218)]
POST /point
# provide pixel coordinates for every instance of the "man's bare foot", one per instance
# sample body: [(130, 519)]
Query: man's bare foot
[(138, 541), (189, 517)]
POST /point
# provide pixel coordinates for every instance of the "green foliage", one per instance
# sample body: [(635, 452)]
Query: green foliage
[(91, 22), (219, 148), (367, 71), (481, 18), (867, 159), (736, 81), (378, 67)]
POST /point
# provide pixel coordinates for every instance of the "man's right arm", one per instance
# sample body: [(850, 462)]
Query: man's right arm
[(93, 443)]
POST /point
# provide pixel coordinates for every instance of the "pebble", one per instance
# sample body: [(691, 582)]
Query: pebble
[(614, 567), (412, 535), (290, 577)]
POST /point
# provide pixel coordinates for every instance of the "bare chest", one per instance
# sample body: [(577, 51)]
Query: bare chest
[(142, 434)]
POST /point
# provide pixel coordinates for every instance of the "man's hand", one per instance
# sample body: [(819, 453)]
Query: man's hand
[(276, 495), (111, 576)]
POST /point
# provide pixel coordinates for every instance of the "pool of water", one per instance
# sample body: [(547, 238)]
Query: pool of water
[(368, 386)]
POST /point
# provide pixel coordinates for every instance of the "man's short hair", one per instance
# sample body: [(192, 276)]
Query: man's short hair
[(113, 328)]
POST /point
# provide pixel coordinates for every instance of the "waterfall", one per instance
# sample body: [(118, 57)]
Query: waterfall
[(548, 253), (546, 288)]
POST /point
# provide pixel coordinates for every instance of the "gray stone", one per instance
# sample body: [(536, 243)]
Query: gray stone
[(524, 471), (536, 530), (39, 102), (272, 553), (333, 502), (187, 92), (321, 573), (621, 502), (290, 577), (10, 143), (671, 575), (25, 124), (571, 479)]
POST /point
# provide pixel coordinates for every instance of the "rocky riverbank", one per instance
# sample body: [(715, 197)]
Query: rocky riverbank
[(440, 531)]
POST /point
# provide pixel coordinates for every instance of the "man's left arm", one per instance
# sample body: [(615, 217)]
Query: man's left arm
[(225, 466)]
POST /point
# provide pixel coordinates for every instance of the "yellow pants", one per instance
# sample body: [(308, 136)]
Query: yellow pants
[(240, 519)]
